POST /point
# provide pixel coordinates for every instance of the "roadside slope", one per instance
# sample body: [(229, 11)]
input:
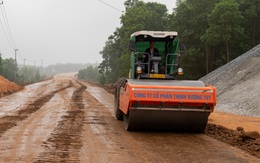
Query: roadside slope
[(238, 84)]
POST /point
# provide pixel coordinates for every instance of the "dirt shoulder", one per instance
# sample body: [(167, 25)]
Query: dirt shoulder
[(232, 121), (238, 131)]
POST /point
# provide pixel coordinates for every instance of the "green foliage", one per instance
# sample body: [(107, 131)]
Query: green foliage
[(9, 69), (214, 32), (138, 16), (102, 79), (64, 68), (215, 29), (23, 75), (251, 12), (195, 60), (29, 74), (224, 24), (90, 74)]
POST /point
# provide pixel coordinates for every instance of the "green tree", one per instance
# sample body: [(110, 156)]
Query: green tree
[(213, 32), (224, 25), (91, 74), (251, 11), (111, 52), (29, 74), (102, 79), (10, 69), (37, 76), (138, 16), (189, 19)]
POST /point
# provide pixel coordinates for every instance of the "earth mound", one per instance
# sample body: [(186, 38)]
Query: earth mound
[(7, 87)]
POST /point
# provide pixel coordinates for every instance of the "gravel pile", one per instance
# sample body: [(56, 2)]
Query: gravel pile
[(238, 84)]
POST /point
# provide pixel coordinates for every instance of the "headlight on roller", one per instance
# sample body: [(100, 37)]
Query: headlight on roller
[(180, 71), (139, 70)]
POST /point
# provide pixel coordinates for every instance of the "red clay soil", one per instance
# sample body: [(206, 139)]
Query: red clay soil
[(232, 121), (7, 87)]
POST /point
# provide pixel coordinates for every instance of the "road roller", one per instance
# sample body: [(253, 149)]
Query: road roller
[(151, 98)]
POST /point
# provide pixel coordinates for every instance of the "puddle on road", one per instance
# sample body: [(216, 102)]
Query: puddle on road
[(12, 102), (102, 96)]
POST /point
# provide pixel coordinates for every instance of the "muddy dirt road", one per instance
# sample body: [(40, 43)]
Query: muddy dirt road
[(62, 120)]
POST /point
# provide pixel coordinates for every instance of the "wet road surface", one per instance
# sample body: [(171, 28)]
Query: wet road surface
[(63, 120)]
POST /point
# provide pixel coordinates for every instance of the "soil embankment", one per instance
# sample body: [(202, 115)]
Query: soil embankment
[(7, 87)]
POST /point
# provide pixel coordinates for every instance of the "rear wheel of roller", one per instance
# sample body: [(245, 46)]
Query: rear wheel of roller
[(126, 122), (118, 113)]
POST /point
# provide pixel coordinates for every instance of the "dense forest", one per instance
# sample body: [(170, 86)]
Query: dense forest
[(214, 32)]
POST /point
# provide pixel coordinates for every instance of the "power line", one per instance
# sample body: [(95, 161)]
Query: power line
[(6, 28), (6, 35), (110, 6)]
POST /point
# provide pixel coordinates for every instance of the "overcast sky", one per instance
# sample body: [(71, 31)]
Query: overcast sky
[(60, 31)]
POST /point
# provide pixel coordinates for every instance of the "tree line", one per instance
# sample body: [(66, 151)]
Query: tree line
[(26, 74), (91, 74), (10, 70), (214, 32)]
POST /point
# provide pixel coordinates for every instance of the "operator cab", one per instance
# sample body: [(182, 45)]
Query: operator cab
[(163, 66)]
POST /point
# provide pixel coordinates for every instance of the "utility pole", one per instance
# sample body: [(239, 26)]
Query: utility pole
[(15, 50), (34, 63), (41, 62), (24, 72)]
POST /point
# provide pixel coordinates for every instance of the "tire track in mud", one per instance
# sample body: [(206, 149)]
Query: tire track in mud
[(65, 142), (9, 121)]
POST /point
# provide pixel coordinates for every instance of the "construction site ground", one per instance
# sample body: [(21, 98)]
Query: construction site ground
[(66, 120)]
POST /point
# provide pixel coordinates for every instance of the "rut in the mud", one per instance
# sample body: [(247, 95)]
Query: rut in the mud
[(65, 142), (9, 121)]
